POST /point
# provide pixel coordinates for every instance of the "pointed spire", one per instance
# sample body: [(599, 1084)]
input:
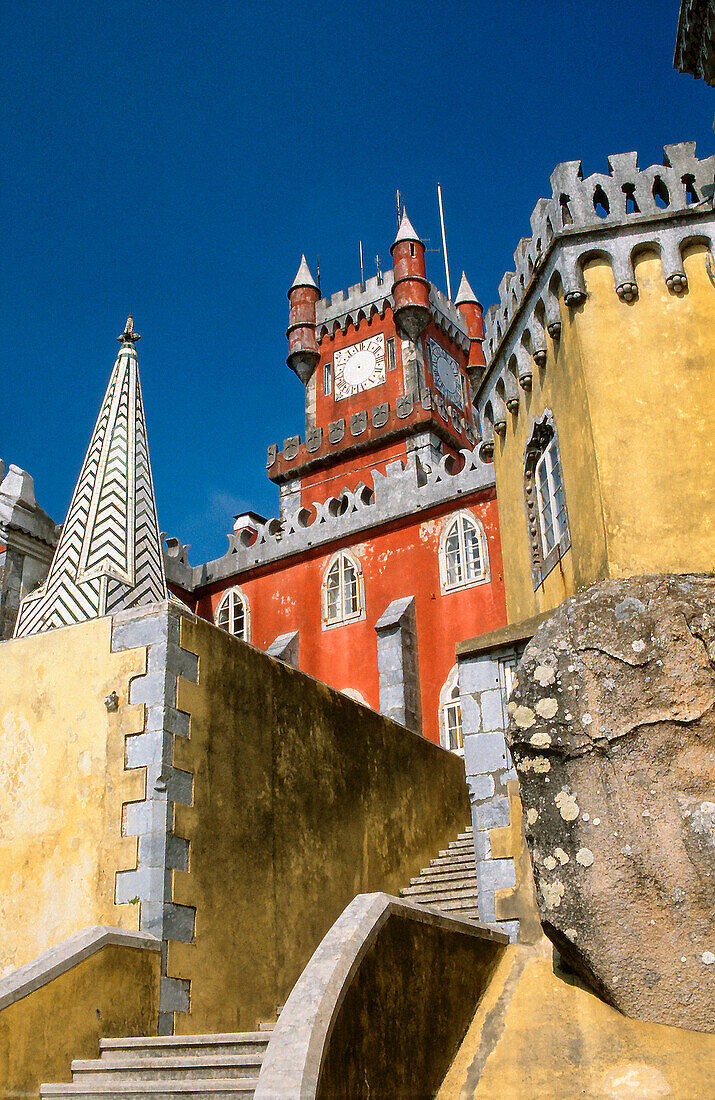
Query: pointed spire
[(129, 336), (406, 231), (303, 276), (109, 555), (465, 292)]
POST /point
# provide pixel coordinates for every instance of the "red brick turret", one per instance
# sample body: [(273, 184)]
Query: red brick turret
[(410, 289), (467, 304), (303, 351)]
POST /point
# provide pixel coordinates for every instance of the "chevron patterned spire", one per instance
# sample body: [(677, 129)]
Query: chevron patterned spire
[(109, 556)]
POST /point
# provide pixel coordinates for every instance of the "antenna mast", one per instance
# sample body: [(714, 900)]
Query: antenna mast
[(362, 272), (444, 241)]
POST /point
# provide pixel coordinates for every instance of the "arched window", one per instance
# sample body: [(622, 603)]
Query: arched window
[(450, 714), (343, 591), (463, 553), (545, 500), (234, 615)]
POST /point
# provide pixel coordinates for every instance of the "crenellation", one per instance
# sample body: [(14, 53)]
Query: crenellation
[(406, 487), (626, 196)]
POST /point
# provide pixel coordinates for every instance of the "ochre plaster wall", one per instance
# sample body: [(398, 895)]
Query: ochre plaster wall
[(538, 1033), (648, 367), (113, 992), (302, 799), (628, 385), (62, 786)]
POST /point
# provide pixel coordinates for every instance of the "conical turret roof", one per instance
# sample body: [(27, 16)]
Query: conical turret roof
[(406, 231), (303, 276), (109, 555), (465, 292)]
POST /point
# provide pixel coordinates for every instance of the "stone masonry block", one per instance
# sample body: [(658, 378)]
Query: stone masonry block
[(478, 674), (485, 754), (481, 787), (174, 995), (148, 630), (492, 712), (155, 687), (495, 874), (471, 713), (174, 658), (492, 814)]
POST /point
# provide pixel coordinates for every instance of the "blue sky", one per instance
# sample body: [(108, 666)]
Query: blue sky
[(178, 157)]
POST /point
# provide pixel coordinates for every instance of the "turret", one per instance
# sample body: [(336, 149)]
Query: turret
[(303, 351), (410, 288), (467, 304)]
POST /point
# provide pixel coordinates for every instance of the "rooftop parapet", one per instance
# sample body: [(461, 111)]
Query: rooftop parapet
[(626, 195), (375, 296), (405, 488)]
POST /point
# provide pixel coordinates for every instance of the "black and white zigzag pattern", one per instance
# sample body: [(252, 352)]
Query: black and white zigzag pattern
[(109, 554)]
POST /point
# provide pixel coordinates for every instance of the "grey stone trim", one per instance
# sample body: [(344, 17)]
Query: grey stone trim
[(551, 226), (159, 852), (285, 648), (291, 1064), (488, 767), (406, 487), (67, 954), (398, 664)]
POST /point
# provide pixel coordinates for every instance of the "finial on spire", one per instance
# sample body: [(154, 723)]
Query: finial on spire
[(129, 336)]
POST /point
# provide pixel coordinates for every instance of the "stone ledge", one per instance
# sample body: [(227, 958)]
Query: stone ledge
[(58, 960)]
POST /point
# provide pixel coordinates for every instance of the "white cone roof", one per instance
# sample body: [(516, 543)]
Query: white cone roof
[(109, 555), (303, 276), (465, 292), (406, 231)]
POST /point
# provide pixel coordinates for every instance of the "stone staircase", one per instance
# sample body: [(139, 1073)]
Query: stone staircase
[(221, 1067), (227, 1065), (450, 882)]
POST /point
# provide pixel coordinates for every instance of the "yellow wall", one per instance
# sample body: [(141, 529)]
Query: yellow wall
[(113, 992), (538, 1033), (62, 785), (629, 388), (302, 799), (653, 412)]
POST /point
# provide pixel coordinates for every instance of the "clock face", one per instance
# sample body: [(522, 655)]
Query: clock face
[(359, 367), (446, 373)]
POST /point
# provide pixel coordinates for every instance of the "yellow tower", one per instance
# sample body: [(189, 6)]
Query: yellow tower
[(597, 404)]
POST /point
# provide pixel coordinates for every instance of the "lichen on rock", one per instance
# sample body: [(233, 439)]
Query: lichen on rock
[(627, 806)]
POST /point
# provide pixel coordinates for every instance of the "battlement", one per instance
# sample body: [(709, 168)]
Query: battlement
[(627, 195), (405, 488), (349, 307)]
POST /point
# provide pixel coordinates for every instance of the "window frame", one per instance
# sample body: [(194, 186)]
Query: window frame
[(448, 701), (239, 594), (542, 455), (460, 518), (327, 379), (341, 558)]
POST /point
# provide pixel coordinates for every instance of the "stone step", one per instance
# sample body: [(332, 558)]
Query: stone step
[(217, 1089), (204, 1067), (424, 894), (444, 876), (462, 854), (169, 1046), (466, 845), (453, 905)]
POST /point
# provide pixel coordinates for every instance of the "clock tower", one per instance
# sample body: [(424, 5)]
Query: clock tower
[(387, 367)]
